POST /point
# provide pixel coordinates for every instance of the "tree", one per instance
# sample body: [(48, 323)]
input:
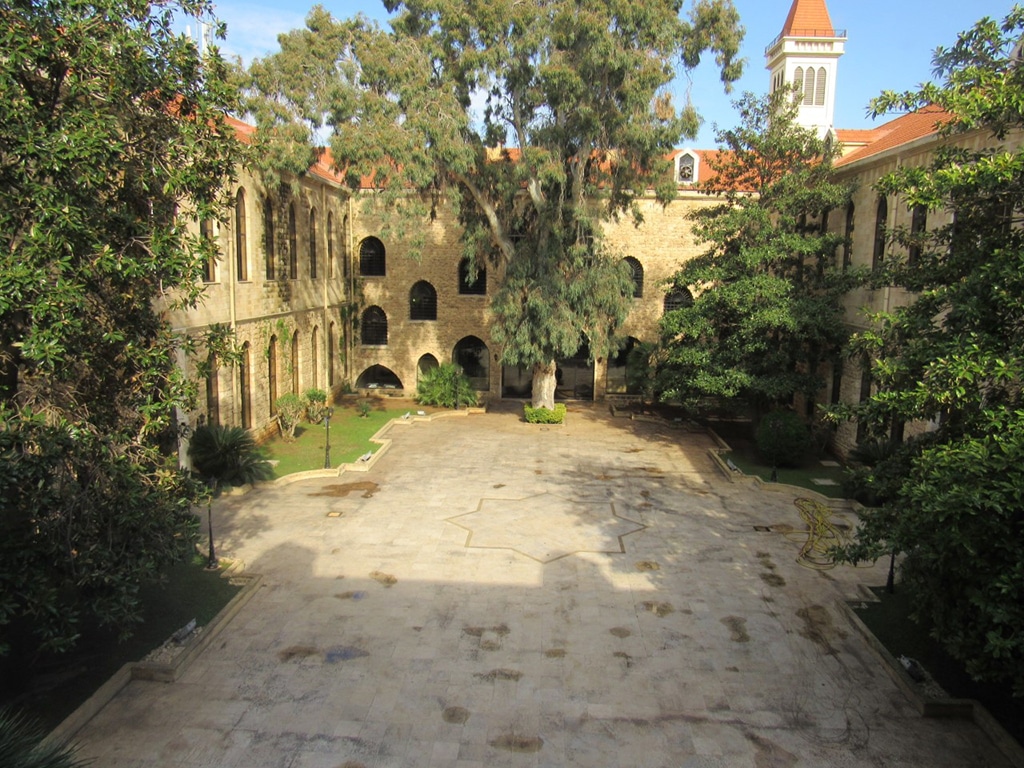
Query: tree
[(534, 121), (112, 132), (955, 356), (767, 310)]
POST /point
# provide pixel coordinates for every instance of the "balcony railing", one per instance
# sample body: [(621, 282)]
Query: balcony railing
[(806, 33)]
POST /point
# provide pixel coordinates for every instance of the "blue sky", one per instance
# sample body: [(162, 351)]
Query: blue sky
[(889, 45)]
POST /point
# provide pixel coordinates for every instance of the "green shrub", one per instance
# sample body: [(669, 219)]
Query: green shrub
[(363, 407), (290, 408), (22, 745), (316, 405), (446, 386), (227, 455), (783, 439), (544, 415)]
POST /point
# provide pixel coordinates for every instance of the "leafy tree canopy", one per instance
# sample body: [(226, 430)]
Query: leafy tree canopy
[(112, 130), (767, 309), (954, 357), (534, 121)]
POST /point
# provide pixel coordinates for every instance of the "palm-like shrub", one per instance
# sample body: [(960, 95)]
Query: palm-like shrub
[(446, 386), (22, 745), (316, 405), (227, 455), (290, 408)]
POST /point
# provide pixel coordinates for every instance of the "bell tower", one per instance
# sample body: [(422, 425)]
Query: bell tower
[(806, 53)]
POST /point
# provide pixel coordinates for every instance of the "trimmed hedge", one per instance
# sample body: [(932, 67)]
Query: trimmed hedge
[(544, 415)]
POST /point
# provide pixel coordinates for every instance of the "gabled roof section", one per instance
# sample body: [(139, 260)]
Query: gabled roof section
[(903, 130), (808, 18)]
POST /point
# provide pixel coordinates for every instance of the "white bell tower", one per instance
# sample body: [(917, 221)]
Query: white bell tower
[(806, 53)]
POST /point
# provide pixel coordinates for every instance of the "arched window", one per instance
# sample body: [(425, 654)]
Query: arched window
[(314, 356), (798, 83), (819, 88), (296, 362), (272, 375), (330, 353), (212, 389), (472, 356), (330, 245), (678, 298), (809, 86), (378, 377), (918, 225), (881, 214), (345, 266), (210, 262), (848, 235), (244, 386), (241, 253), (268, 238), (312, 243), (422, 301), (293, 244), (371, 258), (374, 327), (637, 271), (472, 282)]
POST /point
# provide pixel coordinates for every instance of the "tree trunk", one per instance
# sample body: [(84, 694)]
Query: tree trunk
[(544, 383)]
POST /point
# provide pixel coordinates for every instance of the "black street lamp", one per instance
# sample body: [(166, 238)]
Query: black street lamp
[(327, 443), (211, 561)]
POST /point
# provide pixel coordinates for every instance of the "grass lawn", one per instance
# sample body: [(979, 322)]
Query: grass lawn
[(350, 436), (750, 464), (890, 622), (60, 684)]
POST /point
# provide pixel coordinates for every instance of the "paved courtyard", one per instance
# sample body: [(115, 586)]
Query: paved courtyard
[(494, 594)]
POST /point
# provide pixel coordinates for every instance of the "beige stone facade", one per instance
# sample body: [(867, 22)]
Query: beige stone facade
[(308, 331)]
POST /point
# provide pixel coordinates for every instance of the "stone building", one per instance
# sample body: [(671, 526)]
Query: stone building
[(319, 296)]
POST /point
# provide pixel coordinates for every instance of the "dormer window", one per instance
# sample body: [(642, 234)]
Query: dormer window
[(687, 165)]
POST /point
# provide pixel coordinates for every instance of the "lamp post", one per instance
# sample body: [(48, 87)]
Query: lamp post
[(327, 443), (211, 561)]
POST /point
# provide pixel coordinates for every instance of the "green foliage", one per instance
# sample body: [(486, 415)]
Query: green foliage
[(290, 408), (446, 386), (22, 745), (783, 439), (544, 415), (227, 455), (954, 356), (316, 405), (363, 408), (767, 310), (83, 522), (112, 135), (580, 87)]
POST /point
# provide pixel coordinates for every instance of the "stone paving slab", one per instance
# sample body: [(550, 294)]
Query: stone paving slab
[(382, 637)]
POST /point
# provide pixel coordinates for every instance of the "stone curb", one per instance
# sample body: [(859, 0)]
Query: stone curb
[(845, 505), (141, 670), (967, 709)]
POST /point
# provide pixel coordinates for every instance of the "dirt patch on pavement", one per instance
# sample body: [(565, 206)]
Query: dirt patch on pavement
[(818, 627), (385, 579), (293, 652), (499, 674), (620, 631), (661, 610), (513, 742), (455, 715), (737, 626), (342, 490)]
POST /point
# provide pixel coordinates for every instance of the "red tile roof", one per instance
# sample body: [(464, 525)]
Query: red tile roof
[(808, 18), (902, 130)]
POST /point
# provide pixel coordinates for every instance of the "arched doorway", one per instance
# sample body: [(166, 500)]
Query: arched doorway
[(472, 356), (425, 365), (378, 377)]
